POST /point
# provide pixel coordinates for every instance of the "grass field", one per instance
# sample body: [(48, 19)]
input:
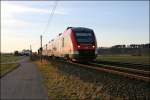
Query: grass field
[(125, 58), (5, 68), (9, 58)]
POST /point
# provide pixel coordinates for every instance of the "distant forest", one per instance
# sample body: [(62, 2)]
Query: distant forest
[(132, 49)]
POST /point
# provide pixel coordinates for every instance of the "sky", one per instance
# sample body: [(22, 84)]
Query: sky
[(114, 22)]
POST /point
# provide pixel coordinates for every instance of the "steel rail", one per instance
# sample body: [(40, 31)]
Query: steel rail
[(112, 70), (131, 70), (123, 63), (115, 71)]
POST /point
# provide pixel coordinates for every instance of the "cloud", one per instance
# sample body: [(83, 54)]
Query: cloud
[(15, 28), (13, 8), (10, 12)]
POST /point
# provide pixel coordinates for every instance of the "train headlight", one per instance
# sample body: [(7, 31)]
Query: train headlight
[(78, 46), (93, 46)]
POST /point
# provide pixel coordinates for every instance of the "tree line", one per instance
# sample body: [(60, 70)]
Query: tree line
[(132, 49)]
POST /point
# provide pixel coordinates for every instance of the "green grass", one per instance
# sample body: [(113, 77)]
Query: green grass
[(125, 58), (9, 58), (5, 68)]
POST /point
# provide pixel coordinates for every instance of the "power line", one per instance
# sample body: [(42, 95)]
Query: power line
[(51, 15), (50, 18), (41, 47)]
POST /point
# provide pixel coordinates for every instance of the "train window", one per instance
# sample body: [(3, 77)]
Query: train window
[(62, 42), (83, 34), (84, 37), (46, 46)]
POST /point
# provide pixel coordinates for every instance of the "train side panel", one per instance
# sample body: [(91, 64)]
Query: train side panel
[(67, 46)]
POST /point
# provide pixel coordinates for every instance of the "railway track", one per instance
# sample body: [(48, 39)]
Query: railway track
[(121, 71), (125, 72), (131, 70), (126, 64)]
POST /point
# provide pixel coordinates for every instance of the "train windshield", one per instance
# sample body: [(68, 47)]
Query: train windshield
[(85, 38)]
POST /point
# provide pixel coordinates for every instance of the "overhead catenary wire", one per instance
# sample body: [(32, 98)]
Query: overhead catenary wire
[(50, 17)]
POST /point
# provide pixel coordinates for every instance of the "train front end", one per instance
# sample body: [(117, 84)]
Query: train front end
[(85, 44)]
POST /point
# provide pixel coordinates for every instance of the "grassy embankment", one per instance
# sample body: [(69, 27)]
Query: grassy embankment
[(125, 58), (64, 86), (6, 68), (9, 58)]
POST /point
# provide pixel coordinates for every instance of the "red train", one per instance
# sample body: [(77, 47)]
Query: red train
[(75, 43)]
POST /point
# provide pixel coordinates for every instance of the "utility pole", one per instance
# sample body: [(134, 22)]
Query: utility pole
[(41, 47), (30, 48)]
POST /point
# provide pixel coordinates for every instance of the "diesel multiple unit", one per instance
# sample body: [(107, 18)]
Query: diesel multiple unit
[(75, 43)]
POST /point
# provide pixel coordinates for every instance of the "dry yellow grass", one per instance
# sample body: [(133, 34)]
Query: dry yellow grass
[(60, 86), (64, 81)]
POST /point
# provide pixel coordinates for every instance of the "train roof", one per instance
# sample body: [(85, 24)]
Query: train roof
[(80, 29)]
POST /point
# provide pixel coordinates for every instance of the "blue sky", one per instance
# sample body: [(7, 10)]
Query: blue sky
[(114, 22)]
